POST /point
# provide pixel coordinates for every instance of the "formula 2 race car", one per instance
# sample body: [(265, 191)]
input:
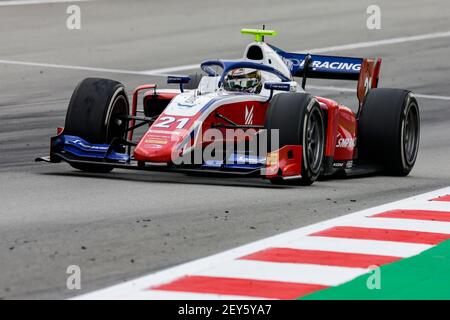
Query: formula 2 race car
[(246, 117)]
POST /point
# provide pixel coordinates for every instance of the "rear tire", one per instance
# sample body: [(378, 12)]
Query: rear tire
[(93, 114), (389, 130), (300, 122)]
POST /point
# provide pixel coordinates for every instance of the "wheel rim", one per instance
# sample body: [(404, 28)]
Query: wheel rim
[(115, 126), (411, 134), (314, 141)]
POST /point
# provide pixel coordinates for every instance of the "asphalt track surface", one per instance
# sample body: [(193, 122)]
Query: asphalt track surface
[(125, 224)]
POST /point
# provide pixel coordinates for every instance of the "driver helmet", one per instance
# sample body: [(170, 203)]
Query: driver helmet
[(243, 80)]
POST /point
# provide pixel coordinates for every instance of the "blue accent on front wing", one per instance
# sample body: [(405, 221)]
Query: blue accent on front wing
[(246, 159), (237, 161), (241, 166), (243, 161), (83, 149), (213, 164)]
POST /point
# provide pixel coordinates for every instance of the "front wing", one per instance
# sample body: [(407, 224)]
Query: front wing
[(284, 163)]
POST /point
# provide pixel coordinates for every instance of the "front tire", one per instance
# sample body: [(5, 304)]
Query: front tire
[(93, 114), (300, 121), (389, 130)]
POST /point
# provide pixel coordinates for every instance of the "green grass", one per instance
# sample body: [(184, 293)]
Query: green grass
[(425, 276)]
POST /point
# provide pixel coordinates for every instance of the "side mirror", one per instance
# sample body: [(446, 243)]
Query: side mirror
[(178, 79), (280, 86)]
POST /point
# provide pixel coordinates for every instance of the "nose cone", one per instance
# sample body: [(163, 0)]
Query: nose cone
[(157, 148), (152, 153)]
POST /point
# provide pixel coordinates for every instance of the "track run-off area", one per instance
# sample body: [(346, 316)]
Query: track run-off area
[(303, 261)]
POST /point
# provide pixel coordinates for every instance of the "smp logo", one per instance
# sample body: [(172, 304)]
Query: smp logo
[(345, 142)]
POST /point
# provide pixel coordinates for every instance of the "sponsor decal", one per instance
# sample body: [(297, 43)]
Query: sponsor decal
[(345, 142), (289, 63), (293, 64), (272, 159), (343, 164), (279, 86), (88, 146), (155, 141), (167, 121), (349, 164), (152, 146), (242, 158), (338, 164), (172, 133)]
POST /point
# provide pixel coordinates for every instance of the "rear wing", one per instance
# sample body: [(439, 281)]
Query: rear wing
[(365, 71)]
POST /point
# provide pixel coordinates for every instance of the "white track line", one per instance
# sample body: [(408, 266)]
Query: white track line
[(427, 205), (285, 272), (350, 46), (432, 97), (345, 89), (382, 248), (397, 224), (376, 43), (78, 68), (293, 238), (172, 69), (163, 72), (165, 295), (33, 2)]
